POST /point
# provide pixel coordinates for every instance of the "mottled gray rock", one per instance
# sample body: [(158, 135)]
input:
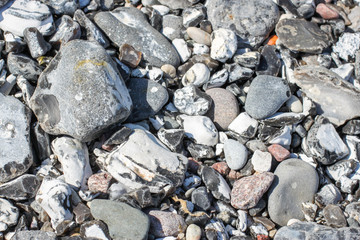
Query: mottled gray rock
[(34, 234), (172, 138), (248, 59), (223, 44), (216, 184), (238, 73), (36, 43), (20, 64), (148, 98), (334, 216), (16, 155), (80, 93), (347, 45), (252, 21), (295, 182), (66, 30), (182, 49), (177, 4), (235, 154), (352, 127), (328, 194), (266, 95), (9, 214), (215, 229), (123, 221), (21, 14), (60, 7), (270, 63), (129, 25), (21, 188), (301, 35), (321, 85), (172, 26), (353, 211), (341, 168)]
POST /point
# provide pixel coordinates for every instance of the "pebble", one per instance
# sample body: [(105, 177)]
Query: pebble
[(66, 29), (192, 16), (94, 229), (279, 152), (172, 26), (60, 7), (216, 184), (248, 59), (261, 161), (20, 64), (328, 194), (270, 63), (352, 127), (345, 71), (334, 216), (193, 232), (325, 12), (294, 104), (199, 35), (238, 73), (182, 49), (176, 4), (9, 214), (200, 49), (201, 199), (164, 223), (99, 182), (197, 75), (244, 125), (35, 234), (221, 167), (341, 168), (236, 154), (36, 43), (354, 17), (347, 45), (353, 211), (21, 188), (129, 55), (216, 230), (223, 44), (282, 137)]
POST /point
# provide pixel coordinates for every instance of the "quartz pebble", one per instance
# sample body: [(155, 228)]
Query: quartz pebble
[(223, 44), (201, 129), (192, 101), (182, 48), (261, 161), (197, 75)]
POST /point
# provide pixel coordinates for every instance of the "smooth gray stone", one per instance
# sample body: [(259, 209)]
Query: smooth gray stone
[(235, 154), (60, 7), (335, 99), (81, 92), (129, 25), (266, 95), (252, 20), (295, 182), (172, 26), (20, 64), (16, 155), (21, 188), (177, 4), (123, 221), (34, 234)]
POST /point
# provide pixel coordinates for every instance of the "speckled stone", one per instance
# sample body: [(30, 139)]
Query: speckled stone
[(279, 152), (247, 191), (99, 182), (163, 223), (225, 107)]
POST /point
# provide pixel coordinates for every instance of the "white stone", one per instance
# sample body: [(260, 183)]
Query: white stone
[(223, 44), (284, 138), (244, 125), (345, 71), (235, 154), (261, 161), (201, 129), (163, 10), (94, 231), (219, 149), (182, 48), (347, 45), (155, 74), (196, 75), (74, 158), (190, 102), (200, 49), (294, 104), (347, 185), (352, 142), (243, 220), (330, 140), (9, 214), (259, 230), (217, 79), (307, 159)]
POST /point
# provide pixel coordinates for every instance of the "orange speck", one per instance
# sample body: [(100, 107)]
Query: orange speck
[(231, 16), (272, 40)]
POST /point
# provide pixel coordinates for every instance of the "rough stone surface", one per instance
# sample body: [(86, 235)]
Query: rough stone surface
[(163, 223), (279, 152), (21, 188), (66, 30), (99, 182), (334, 216), (9, 214), (60, 7), (223, 44), (34, 234), (347, 45), (87, 106), (192, 101), (244, 125), (20, 64)]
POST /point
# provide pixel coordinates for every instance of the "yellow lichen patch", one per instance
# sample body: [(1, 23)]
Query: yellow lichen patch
[(185, 209), (91, 61)]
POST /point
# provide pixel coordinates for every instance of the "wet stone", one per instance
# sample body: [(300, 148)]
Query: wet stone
[(21, 188), (201, 199), (192, 101), (216, 184), (235, 154), (20, 64), (129, 55), (36, 43), (163, 223)]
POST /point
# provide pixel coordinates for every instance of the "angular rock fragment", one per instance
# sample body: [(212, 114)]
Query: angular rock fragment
[(66, 30), (60, 7), (36, 43), (164, 223), (20, 64), (129, 55), (9, 215), (34, 234), (94, 229), (21, 188), (192, 101), (172, 138)]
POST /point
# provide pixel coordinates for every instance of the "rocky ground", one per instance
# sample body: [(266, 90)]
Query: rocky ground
[(180, 119)]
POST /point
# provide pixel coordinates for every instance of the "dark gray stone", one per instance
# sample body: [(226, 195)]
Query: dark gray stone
[(21, 188), (34, 234), (20, 64), (118, 137), (129, 25), (352, 127), (248, 59), (201, 199), (328, 194), (41, 142), (66, 30), (238, 73), (270, 63), (266, 95), (353, 210), (193, 15), (216, 184), (334, 216), (148, 98), (60, 7), (36, 42), (172, 26), (3, 2), (172, 138), (199, 151), (95, 97)]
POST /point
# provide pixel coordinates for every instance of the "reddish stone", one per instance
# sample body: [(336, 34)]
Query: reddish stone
[(234, 175), (248, 191), (221, 167), (262, 237), (99, 182), (326, 12), (279, 152), (129, 55)]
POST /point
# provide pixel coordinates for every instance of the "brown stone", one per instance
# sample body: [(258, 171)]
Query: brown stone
[(279, 152), (221, 167), (99, 182), (129, 55), (325, 12)]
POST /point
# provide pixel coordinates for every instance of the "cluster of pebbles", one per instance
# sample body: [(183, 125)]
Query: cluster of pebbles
[(180, 119)]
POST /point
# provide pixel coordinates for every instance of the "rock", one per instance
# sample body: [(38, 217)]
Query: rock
[(279, 152), (20, 64), (192, 16), (328, 194), (21, 188), (324, 143), (201, 129), (252, 21), (176, 4), (266, 95), (216, 184), (182, 49), (270, 63), (310, 79), (216, 230), (192, 181), (244, 125), (132, 163), (347, 45), (223, 44), (9, 214), (36, 43), (261, 161), (199, 151), (334, 216), (3, 2), (99, 182), (238, 73), (353, 211), (294, 104), (354, 17), (94, 229), (247, 191), (82, 213), (235, 154), (201, 199), (295, 182), (13, 43), (199, 36), (34, 234), (26, 13), (345, 71), (193, 232), (129, 25), (352, 127), (129, 55), (325, 12), (57, 7), (197, 75), (192, 101), (172, 138), (163, 223), (218, 79), (134, 223), (15, 119), (81, 112), (74, 158), (148, 97), (248, 59), (54, 198), (200, 49), (66, 30), (172, 26), (304, 230), (341, 168)]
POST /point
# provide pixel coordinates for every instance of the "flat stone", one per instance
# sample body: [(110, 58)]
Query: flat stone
[(163, 223), (244, 125), (301, 35), (216, 184), (334, 216), (99, 182), (248, 59), (295, 182), (328, 194), (176, 4), (279, 152), (270, 63), (235, 154), (201, 199), (247, 191), (223, 44), (193, 232), (21, 188), (261, 161), (347, 45), (266, 95), (325, 12), (129, 25), (129, 55), (192, 101), (82, 213), (34, 234), (311, 79), (172, 26), (353, 211), (148, 97), (354, 17), (134, 223), (87, 106), (341, 168), (16, 155), (199, 35), (20, 64), (182, 49), (252, 21)]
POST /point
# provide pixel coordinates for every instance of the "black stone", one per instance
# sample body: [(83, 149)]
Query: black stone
[(352, 127), (270, 63), (119, 137), (20, 64), (199, 151), (172, 138), (201, 199), (21, 188)]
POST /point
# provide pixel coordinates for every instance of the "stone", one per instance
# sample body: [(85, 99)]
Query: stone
[(252, 21), (9, 214), (74, 158), (238, 73), (266, 95), (164, 223), (15, 120), (197, 75), (129, 25), (341, 168), (148, 97), (134, 223), (325, 12), (345, 71), (129, 55), (200, 129), (248, 59), (352, 127), (201, 199), (172, 26), (270, 63), (310, 79), (82, 213), (26, 13), (193, 232), (215, 229), (36, 43), (34, 234), (247, 191), (3, 2), (54, 198), (192, 16), (221, 167), (328, 194), (294, 104), (295, 182), (244, 125), (223, 44), (235, 154), (347, 45), (218, 79), (304, 230), (132, 163), (200, 49), (20, 64), (172, 138), (261, 161), (324, 143), (94, 229), (99, 182), (216, 184), (66, 30), (301, 35), (192, 101), (353, 211), (354, 17), (176, 4), (192, 182), (199, 35), (57, 7), (13, 43), (182, 49), (82, 111), (21, 188), (279, 152), (334, 216)]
